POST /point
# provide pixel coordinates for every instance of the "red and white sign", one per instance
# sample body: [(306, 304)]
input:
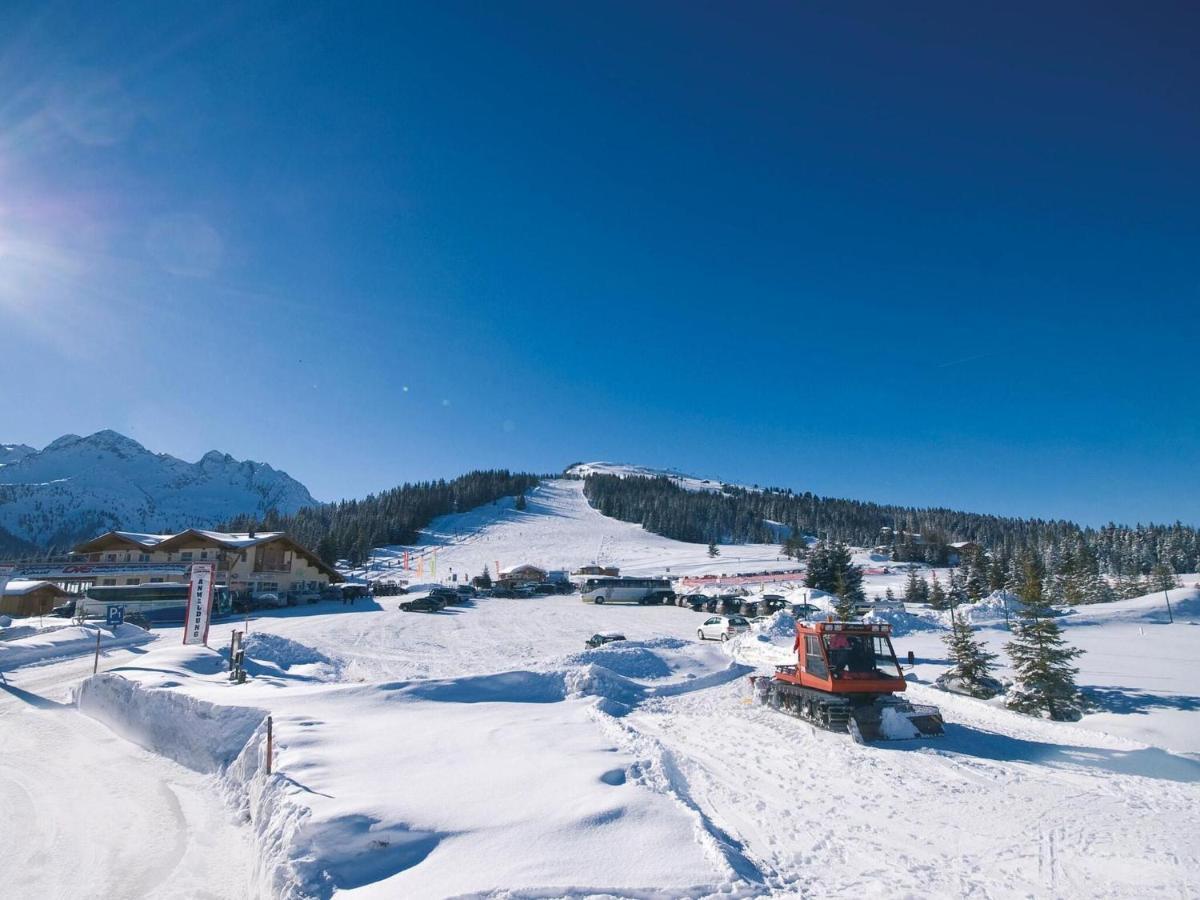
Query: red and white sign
[(195, 624)]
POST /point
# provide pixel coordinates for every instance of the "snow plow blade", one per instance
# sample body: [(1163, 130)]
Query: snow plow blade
[(892, 720)]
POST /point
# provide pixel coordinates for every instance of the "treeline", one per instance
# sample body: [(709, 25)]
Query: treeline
[(350, 528), (739, 515)]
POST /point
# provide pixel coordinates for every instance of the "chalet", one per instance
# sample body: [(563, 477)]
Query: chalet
[(246, 561), (523, 572), (30, 598)]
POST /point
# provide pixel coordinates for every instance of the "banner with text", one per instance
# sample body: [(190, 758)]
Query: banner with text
[(195, 626)]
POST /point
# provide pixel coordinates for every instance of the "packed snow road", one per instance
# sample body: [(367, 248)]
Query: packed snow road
[(86, 814)]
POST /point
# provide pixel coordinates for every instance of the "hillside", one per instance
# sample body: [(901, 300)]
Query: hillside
[(79, 486)]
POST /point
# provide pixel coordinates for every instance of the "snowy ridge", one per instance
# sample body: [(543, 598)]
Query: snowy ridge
[(80, 486), (624, 470)]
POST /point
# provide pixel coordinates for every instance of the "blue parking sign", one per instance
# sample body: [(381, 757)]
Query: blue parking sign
[(116, 615)]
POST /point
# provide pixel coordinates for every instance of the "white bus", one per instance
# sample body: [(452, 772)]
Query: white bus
[(610, 589), (161, 603)]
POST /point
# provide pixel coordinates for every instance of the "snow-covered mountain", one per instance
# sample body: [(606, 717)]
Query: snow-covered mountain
[(79, 486), (12, 453)]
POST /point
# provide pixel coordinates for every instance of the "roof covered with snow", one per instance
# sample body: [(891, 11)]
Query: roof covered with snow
[(19, 587)]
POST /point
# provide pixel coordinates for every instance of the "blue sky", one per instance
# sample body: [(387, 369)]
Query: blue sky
[(937, 254)]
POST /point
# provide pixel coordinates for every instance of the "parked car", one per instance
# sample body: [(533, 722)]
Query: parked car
[(722, 628), (505, 592), (429, 604), (138, 619), (268, 600), (65, 610), (524, 592), (729, 604), (697, 602), (760, 620), (545, 589), (602, 638), (804, 610)]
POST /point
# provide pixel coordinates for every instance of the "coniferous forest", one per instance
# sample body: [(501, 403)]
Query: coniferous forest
[(350, 528), (1072, 554)]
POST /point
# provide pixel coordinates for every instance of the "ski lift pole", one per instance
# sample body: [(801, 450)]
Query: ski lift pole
[(96, 661)]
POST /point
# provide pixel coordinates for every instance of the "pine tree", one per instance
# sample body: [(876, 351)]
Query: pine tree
[(890, 596), (916, 589), (713, 551), (520, 504), (830, 569), (972, 662), (843, 597), (1162, 578), (937, 595), (1045, 678)]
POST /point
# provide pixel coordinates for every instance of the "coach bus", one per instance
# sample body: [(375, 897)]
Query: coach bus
[(162, 603), (620, 589)]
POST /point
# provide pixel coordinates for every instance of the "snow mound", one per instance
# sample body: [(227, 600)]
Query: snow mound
[(70, 640), (902, 622), (631, 659), (273, 654)]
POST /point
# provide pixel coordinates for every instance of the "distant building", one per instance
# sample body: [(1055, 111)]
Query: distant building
[(610, 571), (523, 572), (30, 598), (254, 561)]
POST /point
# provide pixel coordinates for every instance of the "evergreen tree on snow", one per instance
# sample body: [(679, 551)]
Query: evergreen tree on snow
[(916, 589), (937, 594), (1045, 677), (843, 598), (830, 569), (520, 504), (972, 662), (713, 552), (1162, 578)]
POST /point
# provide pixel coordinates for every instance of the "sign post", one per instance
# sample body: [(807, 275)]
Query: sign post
[(199, 607), (115, 615)]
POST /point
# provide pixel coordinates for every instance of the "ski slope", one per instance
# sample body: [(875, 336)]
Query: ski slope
[(559, 530)]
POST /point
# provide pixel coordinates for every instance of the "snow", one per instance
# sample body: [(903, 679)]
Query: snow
[(65, 641), (624, 470), (20, 586), (81, 486), (482, 751)]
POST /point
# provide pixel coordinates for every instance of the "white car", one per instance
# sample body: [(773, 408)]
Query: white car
[(722, 628)]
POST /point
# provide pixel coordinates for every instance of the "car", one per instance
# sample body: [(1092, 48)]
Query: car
[(65, 611), (268, 600), (523, 592), (138, 619), (722, 628), (506, 593), (430, 604), (729, 603), (760, 620), (804, 610), (545, 589), (602, 638), (697, 602)]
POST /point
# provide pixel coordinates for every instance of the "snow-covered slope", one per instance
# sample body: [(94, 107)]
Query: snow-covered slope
[(624, 470), (79, 486), (560, 530)]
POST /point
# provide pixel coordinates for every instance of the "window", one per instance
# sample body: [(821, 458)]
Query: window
[(885, 660), (143, 557), (109, 582), (156, 581), (111, 557), (814, 660), (133, 581), (186, 556)]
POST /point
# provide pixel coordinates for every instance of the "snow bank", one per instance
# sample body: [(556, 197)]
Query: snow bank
[(902, 622), (1149, 608), (195, 733), (69, 640)]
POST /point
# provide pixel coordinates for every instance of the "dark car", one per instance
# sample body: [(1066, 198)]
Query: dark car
[(65, 611), (430, 604), (697, 602), (602, 638), (545, 589), (504, 592), (729, 604)]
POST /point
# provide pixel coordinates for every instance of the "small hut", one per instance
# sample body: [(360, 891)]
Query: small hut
[(30, 598)]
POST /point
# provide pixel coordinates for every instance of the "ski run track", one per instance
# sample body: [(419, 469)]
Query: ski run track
[(482, 752)]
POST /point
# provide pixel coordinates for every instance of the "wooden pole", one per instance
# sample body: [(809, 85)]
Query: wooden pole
[(96, 662), (1170, 615), (270, 741)]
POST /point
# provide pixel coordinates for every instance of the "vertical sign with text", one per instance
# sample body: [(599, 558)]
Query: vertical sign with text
[(195, 625)]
